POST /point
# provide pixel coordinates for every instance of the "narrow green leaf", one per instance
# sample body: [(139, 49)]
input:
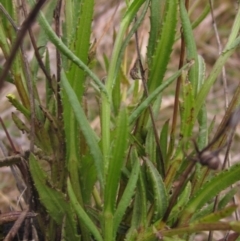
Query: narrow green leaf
[(82, 215), (203, 128), (106, 62), (227, 198), (140, 206), (117, 95), (19, 82), (9, 7), (117, 159), (164, 46), (210, 190), (187, 109), (5, 25), (156, 15), (72, 14), (206, 210), (217, 215), (159, 191), (80, 45), (224, 200), (84, 126), (3, 39), (201, 72), (203, 212), (127, 195), (112, 166), (50, 198), (20, 124), (164, 139), (234, 31), (139, 216), (202, 116), (150, 146), (88, 177), (202, 16), (182, 201), (13, 100), (173, 167), (190, 46)]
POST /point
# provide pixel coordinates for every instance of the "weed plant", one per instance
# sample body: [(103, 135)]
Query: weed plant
[(135, 179)]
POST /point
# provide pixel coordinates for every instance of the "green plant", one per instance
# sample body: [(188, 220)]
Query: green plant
[(129, 182)]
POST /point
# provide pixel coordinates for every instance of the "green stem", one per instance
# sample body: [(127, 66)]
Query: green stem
[(108, 227), (105, 122)]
